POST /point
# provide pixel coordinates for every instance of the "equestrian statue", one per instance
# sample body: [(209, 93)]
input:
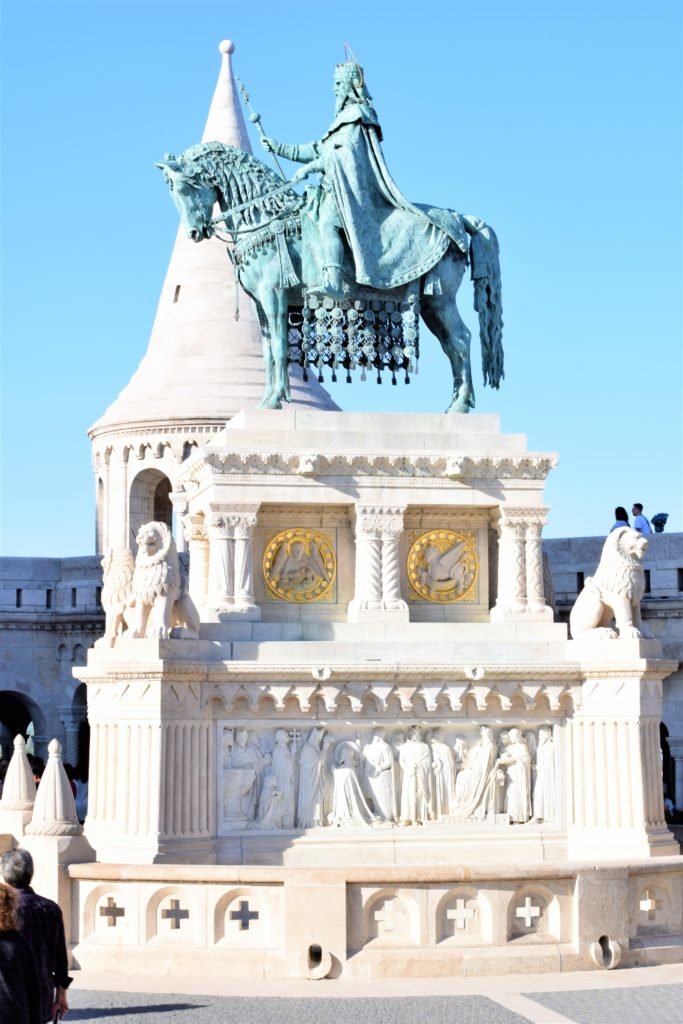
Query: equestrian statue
[(352, 252)]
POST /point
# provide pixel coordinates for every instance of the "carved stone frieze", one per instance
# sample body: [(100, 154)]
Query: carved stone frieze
[(362, 697), (533, 467)]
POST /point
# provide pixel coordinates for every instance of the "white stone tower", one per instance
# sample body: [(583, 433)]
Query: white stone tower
[(200, 369)]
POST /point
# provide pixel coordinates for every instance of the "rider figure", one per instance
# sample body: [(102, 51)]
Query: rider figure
[(391, 241)]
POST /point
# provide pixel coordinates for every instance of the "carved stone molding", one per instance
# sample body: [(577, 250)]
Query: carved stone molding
[(356, 697), (531, 467)]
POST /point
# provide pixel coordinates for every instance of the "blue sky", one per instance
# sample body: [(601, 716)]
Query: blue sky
[(558, 123)]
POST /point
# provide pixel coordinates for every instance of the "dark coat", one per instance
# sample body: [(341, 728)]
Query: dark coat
[(41, 924), (19, 993)]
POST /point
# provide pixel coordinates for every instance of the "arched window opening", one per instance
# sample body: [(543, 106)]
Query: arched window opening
[(149, 500)]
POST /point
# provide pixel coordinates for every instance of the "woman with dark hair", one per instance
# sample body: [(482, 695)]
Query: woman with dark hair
[(19, 996), (620, 518)]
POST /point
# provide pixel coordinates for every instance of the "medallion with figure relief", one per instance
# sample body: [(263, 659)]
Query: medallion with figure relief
[(443, 566), (300, 565)]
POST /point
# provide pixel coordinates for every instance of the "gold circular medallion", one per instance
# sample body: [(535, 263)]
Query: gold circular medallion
[(443, 566), (299, 565)]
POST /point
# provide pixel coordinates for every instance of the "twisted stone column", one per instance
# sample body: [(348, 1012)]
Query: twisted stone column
[(378, 574), (535, 590), (221, 565), (243, 526), (511, 529), (391, 569)]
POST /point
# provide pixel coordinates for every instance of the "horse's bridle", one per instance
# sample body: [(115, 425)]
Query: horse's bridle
[(223, 217)]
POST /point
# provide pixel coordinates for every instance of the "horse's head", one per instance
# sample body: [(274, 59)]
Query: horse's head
[(193, 196)]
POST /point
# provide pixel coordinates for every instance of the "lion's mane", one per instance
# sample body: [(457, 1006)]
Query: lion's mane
[(156, 573), (620, 570), (118, 567)]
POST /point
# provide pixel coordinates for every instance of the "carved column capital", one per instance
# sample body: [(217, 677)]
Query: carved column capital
[(377, 521), (242, 524), (194, 528)]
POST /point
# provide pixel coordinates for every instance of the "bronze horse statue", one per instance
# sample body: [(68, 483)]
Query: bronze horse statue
[(264, 217)]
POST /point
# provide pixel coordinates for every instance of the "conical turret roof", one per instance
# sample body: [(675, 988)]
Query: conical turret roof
[(201, 365)]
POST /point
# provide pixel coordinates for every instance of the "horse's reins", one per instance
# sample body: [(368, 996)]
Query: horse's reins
[(234, 232), (245, 206)]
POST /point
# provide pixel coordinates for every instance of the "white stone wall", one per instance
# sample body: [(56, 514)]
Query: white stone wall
[(49, 616)]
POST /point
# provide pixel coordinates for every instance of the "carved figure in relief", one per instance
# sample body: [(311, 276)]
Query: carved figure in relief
[(311, 780), (271, 802), (349, 807), (118, 566), (475, 784), (416, 789), (160, 585), (378, 775), (284, 768), (545, 786), (443, 764), (615, 592), (517, 761), (245, 756), (397, 741), (299, 567), (442, 568), (442, 565), (228, 744), (459, 751)]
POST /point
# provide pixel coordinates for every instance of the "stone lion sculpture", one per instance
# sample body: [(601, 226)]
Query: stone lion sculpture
[(118, 566), (160, 586), (614, 592)]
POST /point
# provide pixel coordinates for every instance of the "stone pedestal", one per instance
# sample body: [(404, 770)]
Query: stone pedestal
[(373, 601), (615, 799), (152, 771)]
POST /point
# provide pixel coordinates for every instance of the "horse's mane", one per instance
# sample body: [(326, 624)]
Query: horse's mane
[(240, 177)]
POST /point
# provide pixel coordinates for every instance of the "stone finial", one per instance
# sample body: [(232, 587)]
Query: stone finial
[(19, 791), (54, 813), (226, 46)]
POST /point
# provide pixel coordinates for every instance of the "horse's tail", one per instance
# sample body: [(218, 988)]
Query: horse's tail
[(487, 300)]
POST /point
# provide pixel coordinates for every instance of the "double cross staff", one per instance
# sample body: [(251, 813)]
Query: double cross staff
[(256, 119)]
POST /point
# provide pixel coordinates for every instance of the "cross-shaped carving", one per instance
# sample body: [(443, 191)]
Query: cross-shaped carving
[(244, 915), (650, 905), (461, 914), (175, 914), (111, 912), (528, 912), (390, 915)]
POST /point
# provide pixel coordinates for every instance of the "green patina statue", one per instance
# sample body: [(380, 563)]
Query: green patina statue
[(352, 242)]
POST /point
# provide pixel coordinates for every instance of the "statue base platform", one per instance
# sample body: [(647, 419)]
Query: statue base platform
[(495, 787)]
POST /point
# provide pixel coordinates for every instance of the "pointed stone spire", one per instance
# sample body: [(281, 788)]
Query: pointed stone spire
[(225, 121), (19, 790), (202, 366), (54, 812)]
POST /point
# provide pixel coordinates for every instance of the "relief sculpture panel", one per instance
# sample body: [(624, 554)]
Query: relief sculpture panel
[(376, 777), (443, 566), (300, 565)]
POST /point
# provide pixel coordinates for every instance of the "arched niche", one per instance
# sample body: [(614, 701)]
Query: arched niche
[(17, 714), (149, 501)]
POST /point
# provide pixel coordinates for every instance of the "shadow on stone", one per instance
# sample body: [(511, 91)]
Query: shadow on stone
[(86, 1013)]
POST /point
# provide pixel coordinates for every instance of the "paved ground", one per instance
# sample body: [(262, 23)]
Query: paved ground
[(137, 1009), (636, 996)]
